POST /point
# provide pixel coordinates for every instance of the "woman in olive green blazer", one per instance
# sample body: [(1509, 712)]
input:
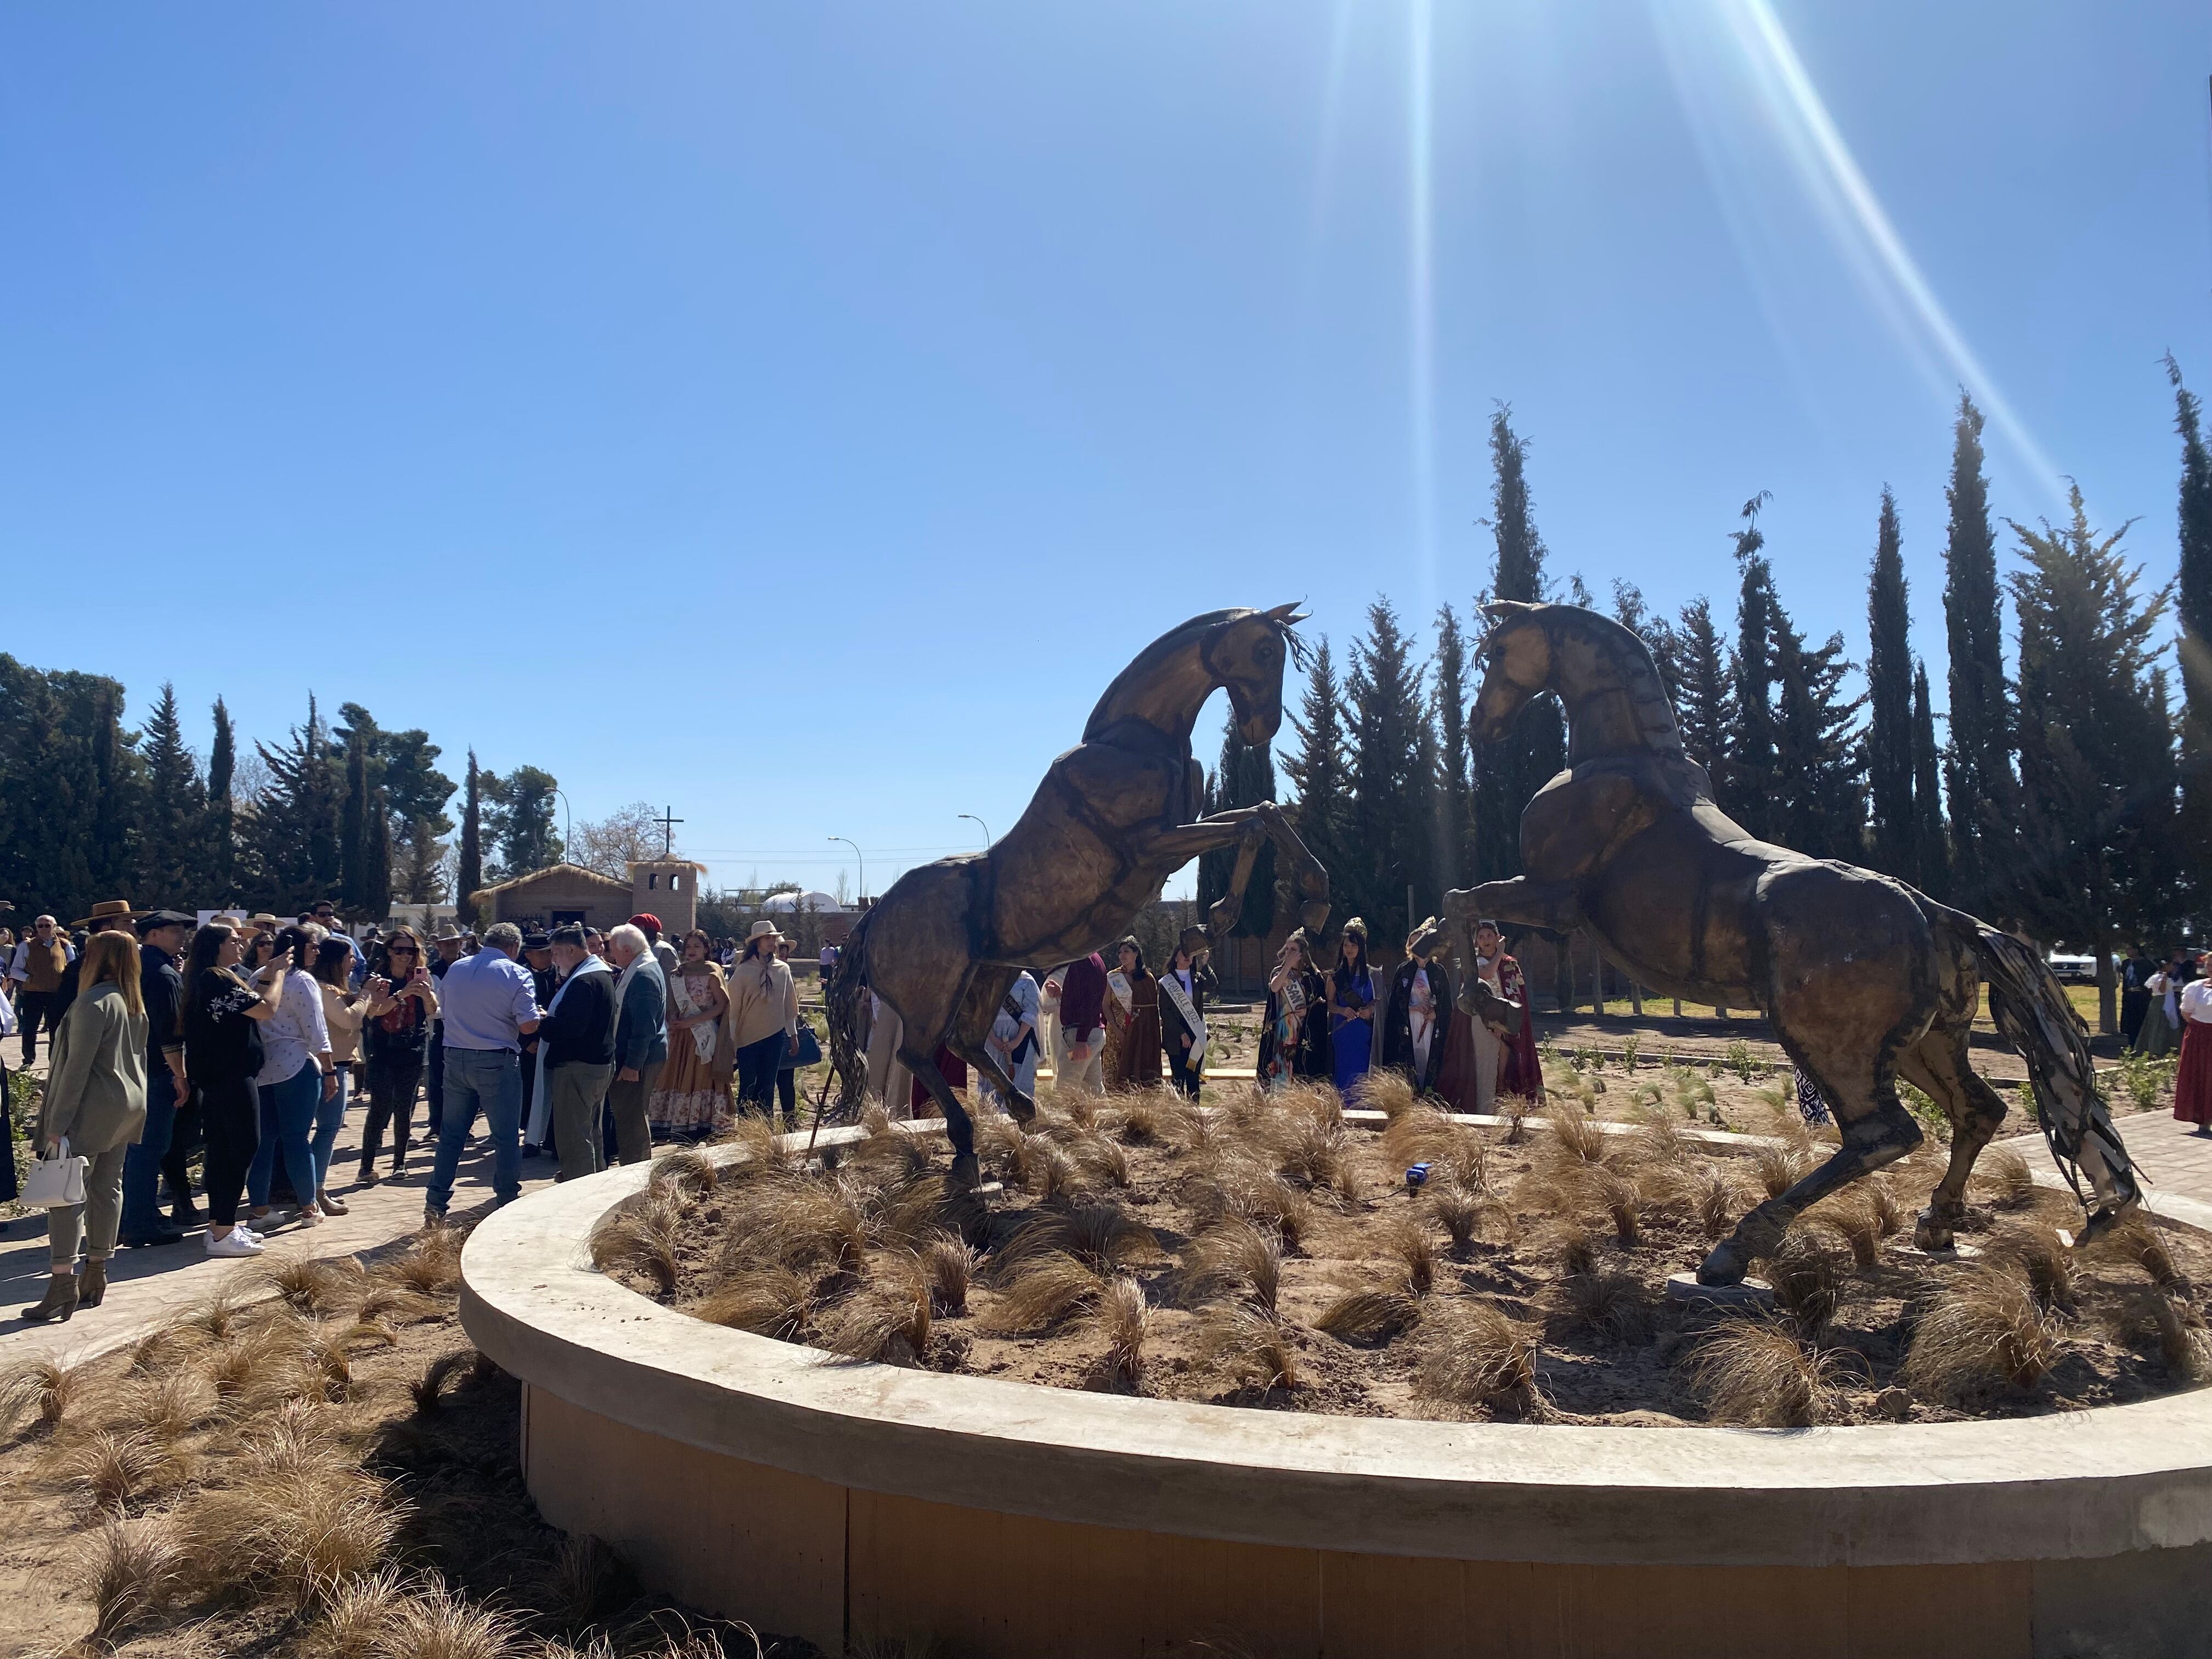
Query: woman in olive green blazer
[(96, 1098)]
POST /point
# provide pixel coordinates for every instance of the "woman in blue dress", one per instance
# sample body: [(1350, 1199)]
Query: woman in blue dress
[(1351, 1008)]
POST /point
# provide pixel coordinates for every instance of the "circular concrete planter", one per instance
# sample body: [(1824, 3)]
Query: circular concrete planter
[(836, 1500)]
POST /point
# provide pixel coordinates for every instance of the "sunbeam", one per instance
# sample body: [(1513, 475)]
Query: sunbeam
[(1421, 290)]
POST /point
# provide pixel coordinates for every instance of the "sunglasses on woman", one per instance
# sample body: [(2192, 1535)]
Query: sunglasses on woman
[(399, 950)]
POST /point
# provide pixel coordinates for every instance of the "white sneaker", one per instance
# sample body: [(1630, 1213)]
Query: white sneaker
[(236, 1242), (240, 1227), (309, 1216)]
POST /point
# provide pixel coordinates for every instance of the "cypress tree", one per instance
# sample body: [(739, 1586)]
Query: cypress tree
[(173, 834), (1979, 770), (1750, 787), (422, 864), (1318, 768), (1819, 759), (375, 899), (2090, 735), (49, 788), (292, 836), (1705, 706), (1932, 871), (2193, 606), (470, 877), (1889, 693), (118, 798), (219, 852), (1390, 814), (1507, 774), (353, 823), (1448, 705), (1244, 777), (1658, 635)]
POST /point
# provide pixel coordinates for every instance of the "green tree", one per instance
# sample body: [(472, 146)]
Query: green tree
[(219, 853), (1388, 849), (58, 760), (1245, 776), (1658, 635), (1931, 852), (354, 850), (521, 820), (420, 871), (119, 799), (2193, 607), (1819, 762), (1506, 775), (174, 832), (376, 900), (1889, 696), (1749, 786), (1978, 770), (469, 879), (1704, 704), (2092, 736), (1319, 768), (291, 835), (1451, 840)]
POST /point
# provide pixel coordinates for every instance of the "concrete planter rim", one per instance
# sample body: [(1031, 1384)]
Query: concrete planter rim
[(2066, 1486)]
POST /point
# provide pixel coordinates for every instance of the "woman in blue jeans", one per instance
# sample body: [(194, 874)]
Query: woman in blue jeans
[(297, 1075)]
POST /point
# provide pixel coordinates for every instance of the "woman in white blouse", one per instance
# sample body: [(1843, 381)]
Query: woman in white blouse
[(298, 1075)]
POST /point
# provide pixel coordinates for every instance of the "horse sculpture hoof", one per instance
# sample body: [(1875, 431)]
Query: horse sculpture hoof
[(1931, 1235), (1725, 1266), (967, 1173), (1315, 915), (2106, 1217)]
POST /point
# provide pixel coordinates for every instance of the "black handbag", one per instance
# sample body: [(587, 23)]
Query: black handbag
[(809, 1047)]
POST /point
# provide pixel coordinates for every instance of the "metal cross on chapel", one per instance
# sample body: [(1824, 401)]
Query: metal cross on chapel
[(668, 822)]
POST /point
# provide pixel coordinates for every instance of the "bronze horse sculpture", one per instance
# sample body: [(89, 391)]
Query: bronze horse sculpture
[(1115, 816), (1863, 978)]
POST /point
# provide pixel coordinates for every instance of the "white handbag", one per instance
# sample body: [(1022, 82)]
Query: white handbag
[(54, 1180)]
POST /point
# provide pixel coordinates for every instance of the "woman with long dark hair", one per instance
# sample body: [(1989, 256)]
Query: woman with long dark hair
[(397, 1027), (343, 1011), (95, 1103), (1294, 1033), (1132, 1022), (223, 1012), (1351, 1008)]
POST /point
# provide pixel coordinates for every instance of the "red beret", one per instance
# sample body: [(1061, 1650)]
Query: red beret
[(646, 919)]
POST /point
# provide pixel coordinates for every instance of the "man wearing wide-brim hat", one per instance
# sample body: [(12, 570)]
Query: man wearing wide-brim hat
[(763, 1018), (109, 914)]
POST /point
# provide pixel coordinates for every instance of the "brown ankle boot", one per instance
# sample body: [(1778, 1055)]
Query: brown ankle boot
[(92, 1284), (60, 1300)]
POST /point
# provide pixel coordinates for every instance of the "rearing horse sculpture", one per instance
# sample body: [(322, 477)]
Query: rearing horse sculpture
[(1863, 978), (1115, 817)]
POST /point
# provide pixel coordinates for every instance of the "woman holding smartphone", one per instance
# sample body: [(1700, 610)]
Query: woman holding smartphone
[(222, 1015)]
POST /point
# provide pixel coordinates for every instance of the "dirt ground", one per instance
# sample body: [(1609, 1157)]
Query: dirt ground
[(1548, 1249)]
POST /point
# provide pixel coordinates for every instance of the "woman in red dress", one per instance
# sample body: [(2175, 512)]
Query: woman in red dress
[(2192, 1078)]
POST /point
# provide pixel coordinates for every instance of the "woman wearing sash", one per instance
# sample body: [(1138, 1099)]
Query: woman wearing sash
[(1294, 1035), (1132, 1023), (1184, 988), (1013, 1040), (691, 1098), (1351, 1010)]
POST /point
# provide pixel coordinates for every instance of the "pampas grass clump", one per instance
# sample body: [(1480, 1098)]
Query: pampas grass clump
[(2005, 1179), (1371, 1314), (36, 1387), (1043, 1291), (1120, 1315), (888, 1317), (1249, 1344), (1476, 1354), (772, 1301), (1756, 1374), (1235, 1256), (1411, 1251), (132, 1572), (1985, 1331)]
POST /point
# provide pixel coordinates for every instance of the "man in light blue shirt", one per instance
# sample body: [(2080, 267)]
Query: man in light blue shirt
[(487, 1005)]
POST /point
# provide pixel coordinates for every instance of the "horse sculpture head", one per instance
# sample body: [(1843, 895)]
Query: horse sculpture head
[(1517, 665), (1246, 655)]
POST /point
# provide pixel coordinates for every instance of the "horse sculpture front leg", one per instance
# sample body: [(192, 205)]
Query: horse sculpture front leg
[(1246, 829), (1557, 905)]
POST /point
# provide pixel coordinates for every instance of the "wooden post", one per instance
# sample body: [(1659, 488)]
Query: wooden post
[(1597, 971), (1563, 975), (1635, 995)]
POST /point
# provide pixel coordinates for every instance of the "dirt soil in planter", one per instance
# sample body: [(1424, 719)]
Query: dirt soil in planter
[(1265, 1254)]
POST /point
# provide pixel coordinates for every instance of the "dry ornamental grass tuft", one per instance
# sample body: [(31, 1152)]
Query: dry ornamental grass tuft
[(2004, 1180), (133, 1572), (1043, 1291), (1985, 1331), (686, 1175), (112, 1471), (1576, 1141), (2047, 1265), (949, 1265), (1122, 1318), (35, 1388), (1623, 1205), (299, 1533), (1475, 1353), (1779, 1168), (887, 1318), (1236, 1257), (1248, 1344), (1852, 1217), (1606, 1302), (642, 1238), (1713, 1199), (1370, 1314), (1457, 1210), (795, 1224), (1808, 1280), (773, 1301), (429, 1390), (1759, 1375), (2176, 1329), (1411, 1251), (2137, 1240), (1390, 1091)]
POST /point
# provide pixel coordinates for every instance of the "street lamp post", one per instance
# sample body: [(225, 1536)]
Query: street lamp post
[(980, 824), (863, 862), (570, 813)]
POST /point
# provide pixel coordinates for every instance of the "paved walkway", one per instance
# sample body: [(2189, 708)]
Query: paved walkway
[(148, 1287)]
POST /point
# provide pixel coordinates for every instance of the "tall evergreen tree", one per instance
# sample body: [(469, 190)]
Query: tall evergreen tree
[(521, 820), (1630, 611), (354, 851), (1705, 706), (1749, 793), (173, 833), (1889, 693), (1978, 770), (2193, 606), (1819, 762), (1389, 846), (470, 878), (292, 836), (1319, 767), (1452, 836), (2090, 735), (1507, 774), (119, 778), (55, 726), (220, 850), (420, 874), (376, 900), (1244, 777), (1931, 869)]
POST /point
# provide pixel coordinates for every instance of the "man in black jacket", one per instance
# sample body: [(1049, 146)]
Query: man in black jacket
[(1419, 1011), (576, 1051)]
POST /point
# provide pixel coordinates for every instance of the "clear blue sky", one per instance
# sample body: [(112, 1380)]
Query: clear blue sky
[(798, 413)]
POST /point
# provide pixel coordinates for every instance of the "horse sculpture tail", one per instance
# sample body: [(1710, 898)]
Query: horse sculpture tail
[(2031, 1009), (841, 1003)]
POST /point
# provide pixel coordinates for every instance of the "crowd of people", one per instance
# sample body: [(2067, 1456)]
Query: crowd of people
[(245, 1039)]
